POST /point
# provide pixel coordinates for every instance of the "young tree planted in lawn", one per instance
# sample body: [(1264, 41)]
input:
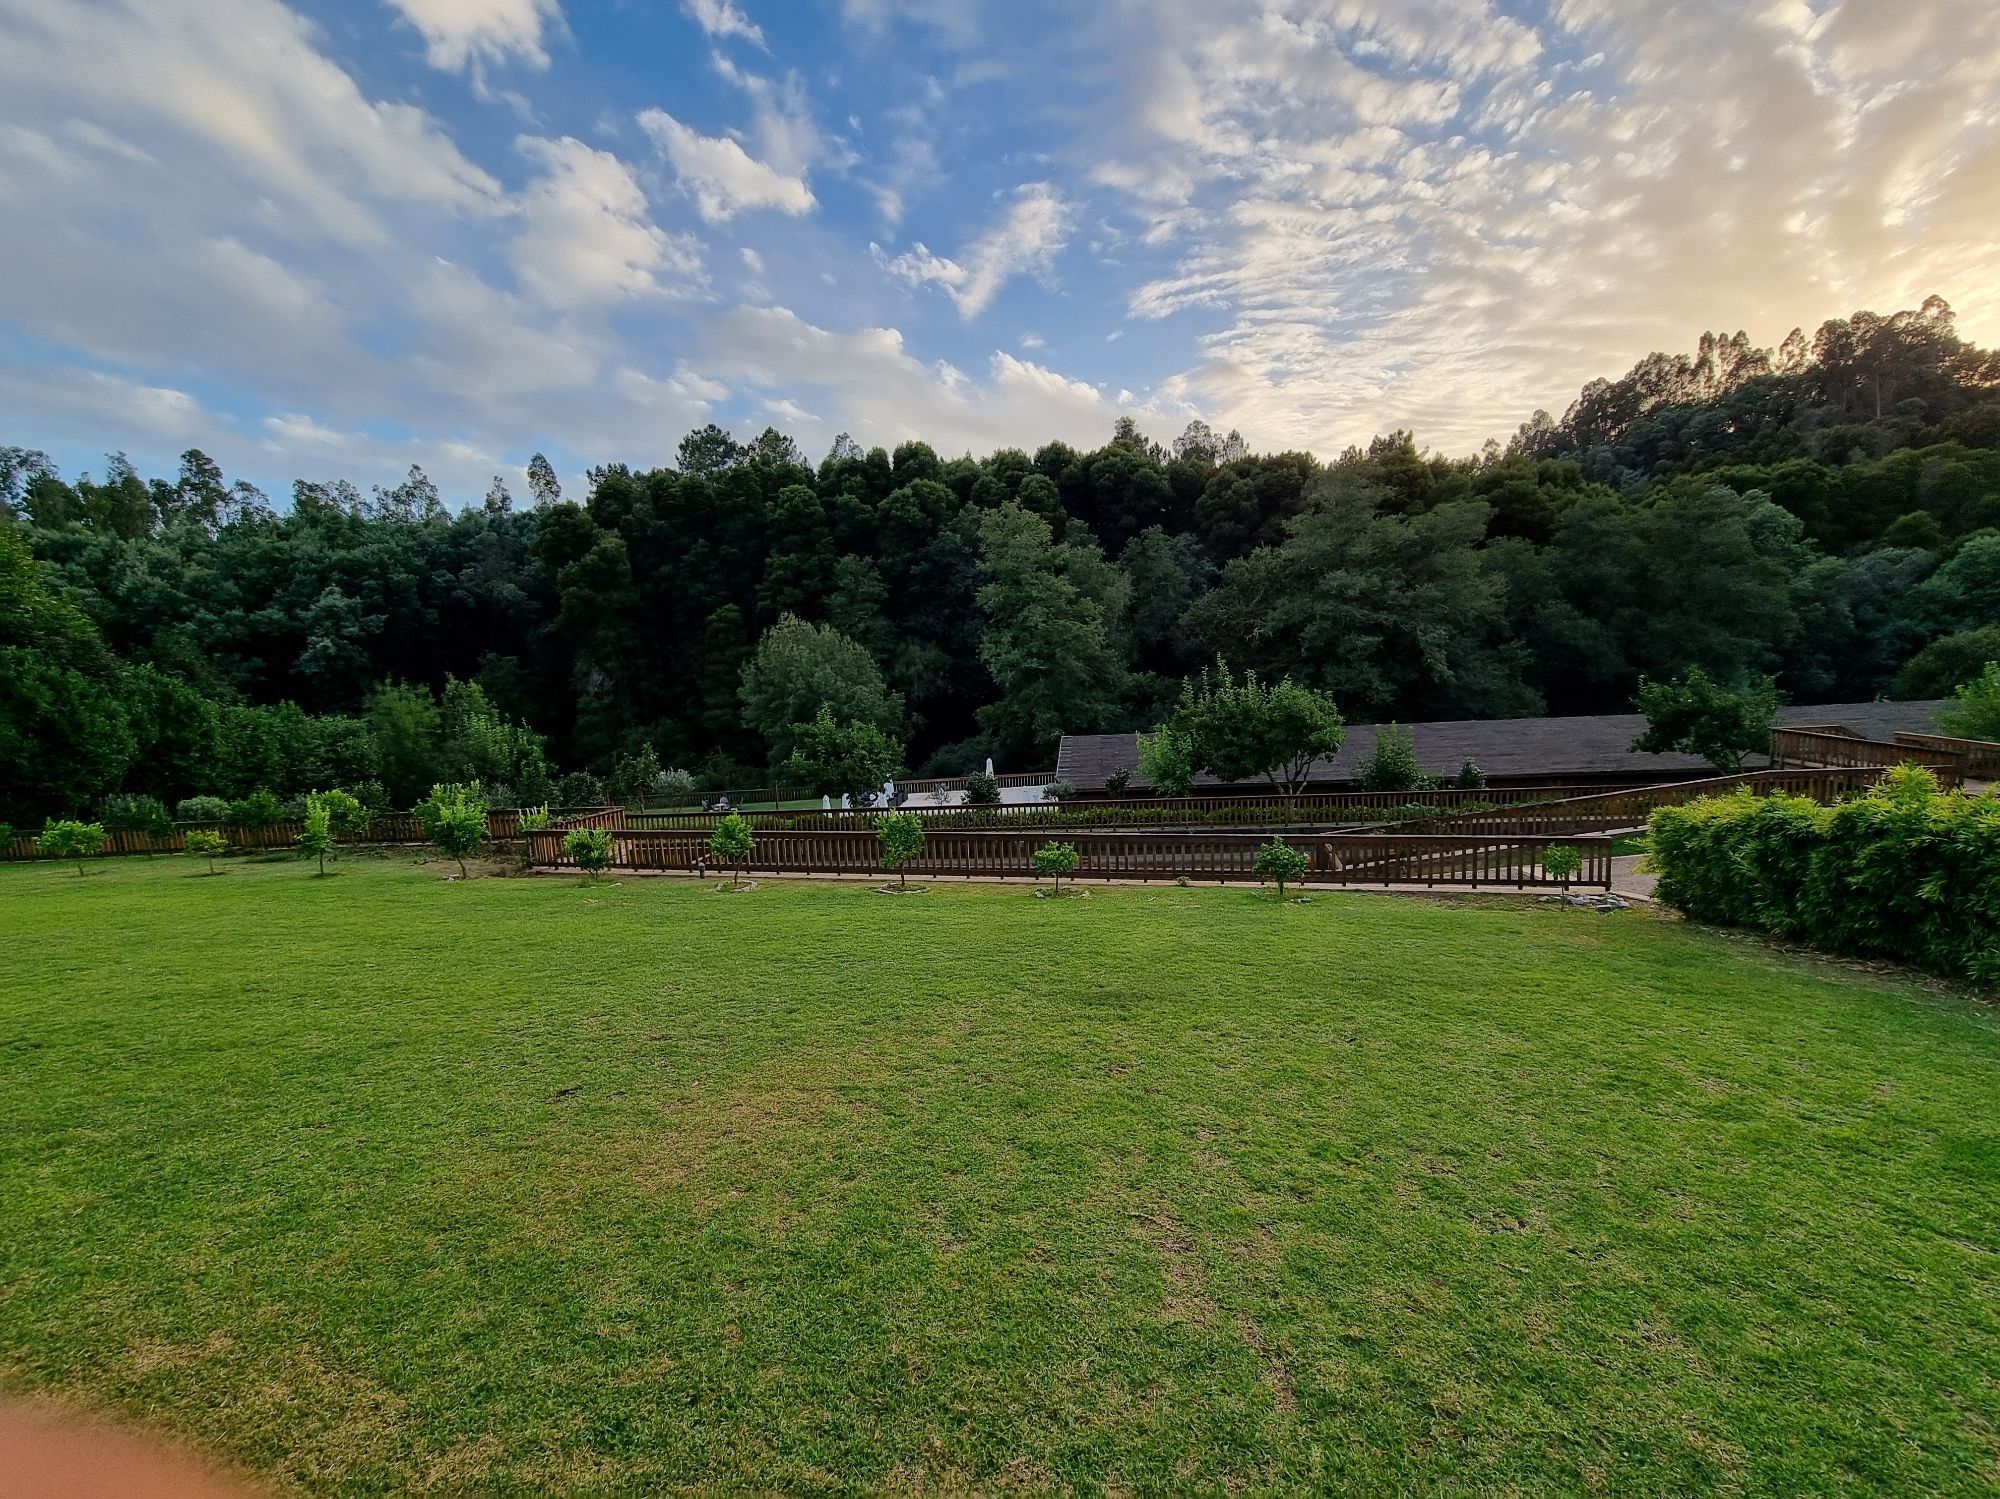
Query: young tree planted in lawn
[(68, 839), (205, 843), (316, 836), (1974, 710), (454, 820), (1561, 863), (850, 759), (591, 848), (1281, 862), (902, 837), (1696, 715), (346, 818), (1056, 860), (731, 843)]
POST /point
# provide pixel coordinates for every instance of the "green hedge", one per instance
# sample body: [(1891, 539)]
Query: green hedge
[(1904, 873)]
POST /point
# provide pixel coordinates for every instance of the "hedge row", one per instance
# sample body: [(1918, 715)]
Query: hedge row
[(1904, 873)]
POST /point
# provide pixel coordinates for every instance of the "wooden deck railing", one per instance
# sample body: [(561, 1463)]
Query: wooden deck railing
[(1979, 757), (389, 828), (1334, 858), (1314, 809), (1609, 811), (1833, 747)]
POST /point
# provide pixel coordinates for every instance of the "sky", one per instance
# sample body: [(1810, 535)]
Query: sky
[(330, 238)]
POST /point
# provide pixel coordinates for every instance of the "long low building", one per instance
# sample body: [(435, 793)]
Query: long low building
[(1511, 751)]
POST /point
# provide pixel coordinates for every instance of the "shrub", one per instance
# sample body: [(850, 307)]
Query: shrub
[(316, 836), (373, 796), (1904, 873), (6, 837), (591, 848), (731, 843), (1281, 862), (633, 775), (454, 820), (127, 813), (579, 789), (902, 836), (1117, 781), (675, 788), (842, 759), (1056, 860), (982, 788), (260, 809), (1058, 791), (534, 819), (201, 809), (1561, 863), (1974, 710), (205, 843), (67, 839), (1392, 764), (1469, 778)]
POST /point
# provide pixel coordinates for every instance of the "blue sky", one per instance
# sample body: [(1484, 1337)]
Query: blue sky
[(328, 239)]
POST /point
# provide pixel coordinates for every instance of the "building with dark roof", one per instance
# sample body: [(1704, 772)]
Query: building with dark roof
[(1511, 751)]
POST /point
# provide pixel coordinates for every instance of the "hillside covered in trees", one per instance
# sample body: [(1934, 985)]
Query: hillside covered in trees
[(1828, 512)]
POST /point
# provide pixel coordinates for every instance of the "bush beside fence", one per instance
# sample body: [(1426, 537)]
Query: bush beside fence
[(1905, 873), (389, 828)]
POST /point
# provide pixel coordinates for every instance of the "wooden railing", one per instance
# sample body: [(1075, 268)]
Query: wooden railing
[(1830, 746), (1980, 758), (1608, 811), (389, 828), (1313, 809), (1333, 858)]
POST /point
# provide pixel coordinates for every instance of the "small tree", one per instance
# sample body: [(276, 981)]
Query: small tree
[(205, 843), (1278, 860), (68, 839), (902, 837), (1168, 760), (1239, 730), (1974, 710), (591, 848), (1561, 863), (316, 836), (1117, 782), (731, 844), (982, 788), (1392, 765), (1696, 715), (675, 788), (346, 818), (633, 775), (1469, 778), (842, 759), (1056, 860), (579, 789), (454, 820)]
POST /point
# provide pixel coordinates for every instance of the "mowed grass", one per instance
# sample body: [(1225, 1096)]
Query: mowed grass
[(382, 1184)]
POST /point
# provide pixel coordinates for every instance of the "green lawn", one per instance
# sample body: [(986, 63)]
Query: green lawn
[(377, 1183)]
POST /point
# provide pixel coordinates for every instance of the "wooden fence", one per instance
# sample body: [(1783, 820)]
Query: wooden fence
[(1333, 858), (389, 828), (1829, 746), (1980, 758), (1608, 811), (1320, 808)]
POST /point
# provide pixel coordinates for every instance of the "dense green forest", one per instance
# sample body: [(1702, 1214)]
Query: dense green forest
[(1828, 512)]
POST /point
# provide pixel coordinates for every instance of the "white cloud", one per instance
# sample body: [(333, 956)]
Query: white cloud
[(1026, 238), (722, 18), (722, 178), (586, 240), (874, 388), (461, 33)]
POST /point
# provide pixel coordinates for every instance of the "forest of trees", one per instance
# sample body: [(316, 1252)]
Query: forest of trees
[(1828, 512)]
